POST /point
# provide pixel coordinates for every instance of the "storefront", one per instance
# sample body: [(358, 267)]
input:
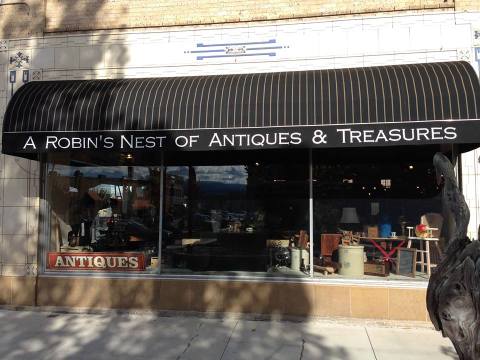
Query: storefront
[(244, 188)]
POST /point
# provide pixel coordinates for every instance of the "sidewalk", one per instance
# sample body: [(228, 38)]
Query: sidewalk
[(50, 335)]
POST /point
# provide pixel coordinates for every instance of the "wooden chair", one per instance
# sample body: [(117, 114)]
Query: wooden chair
[(434, 223), (328, 244)]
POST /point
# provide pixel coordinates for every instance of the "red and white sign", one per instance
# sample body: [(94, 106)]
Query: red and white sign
[(96, 261)]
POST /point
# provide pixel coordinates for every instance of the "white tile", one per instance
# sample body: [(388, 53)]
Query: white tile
[(43, 58), (3, 106), (32, 247), (348, 62), (109, 38), (14, 249), (34, 169), (14, 270), (16, 168), (79, 75), (116, 56), (455, 36), (54, 75), (441, 56), (57, 41), (15, 220), (148, 55), (348, 24), (410, 58), (396, 39), (67, 58), (468, 157), (34, 192), (162, 37), (378, 60), (92, 57), (378, 22), (425, 37), (15, 192), (79, 40), (3, 81), (438, 18), (334, 44), (3, 57), (362, 42), (32, 220), (18, 44)]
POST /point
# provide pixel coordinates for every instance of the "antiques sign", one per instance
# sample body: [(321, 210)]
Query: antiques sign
[(96, 261), (327, 136)]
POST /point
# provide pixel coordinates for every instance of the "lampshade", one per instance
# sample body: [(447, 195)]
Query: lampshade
[(349, 216)]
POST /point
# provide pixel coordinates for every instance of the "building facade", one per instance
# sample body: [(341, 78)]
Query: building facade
[(167, 222)]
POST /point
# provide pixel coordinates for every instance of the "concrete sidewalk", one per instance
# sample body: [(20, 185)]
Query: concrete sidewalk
[(51, 335)]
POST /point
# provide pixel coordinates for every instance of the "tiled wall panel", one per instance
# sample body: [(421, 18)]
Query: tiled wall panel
[(471, 189)]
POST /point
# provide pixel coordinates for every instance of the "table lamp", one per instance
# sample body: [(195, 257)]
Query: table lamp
[(349, 218)]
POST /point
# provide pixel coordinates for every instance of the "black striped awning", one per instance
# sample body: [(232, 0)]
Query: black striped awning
[(383, 96)]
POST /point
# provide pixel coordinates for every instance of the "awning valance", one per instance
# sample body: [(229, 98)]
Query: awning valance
[(227, 111)]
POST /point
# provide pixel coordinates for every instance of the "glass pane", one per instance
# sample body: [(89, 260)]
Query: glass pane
[(237, 214), (103, 217), (367, 210)]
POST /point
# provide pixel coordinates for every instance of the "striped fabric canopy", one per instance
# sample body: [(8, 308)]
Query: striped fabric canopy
[(400, 93)]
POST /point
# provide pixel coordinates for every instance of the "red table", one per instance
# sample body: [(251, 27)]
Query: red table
[(387, 254)]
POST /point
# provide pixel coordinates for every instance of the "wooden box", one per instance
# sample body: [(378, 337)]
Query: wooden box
[(371, 231), (375, 268), (186, 242), (278, 243)]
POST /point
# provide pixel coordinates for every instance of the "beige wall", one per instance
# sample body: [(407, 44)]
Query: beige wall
[(267, 298), (108, 14), (21, 18), (27, 18)]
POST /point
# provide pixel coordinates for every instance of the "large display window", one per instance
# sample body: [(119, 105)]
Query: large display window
[(102, 217), (234, 213), (343, 213), (377, 213)]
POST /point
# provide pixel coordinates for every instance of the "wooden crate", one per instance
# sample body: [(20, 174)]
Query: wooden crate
[(371, 231), (375, 268)]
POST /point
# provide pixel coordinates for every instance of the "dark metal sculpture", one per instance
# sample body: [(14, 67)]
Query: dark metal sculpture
[(453, 294)]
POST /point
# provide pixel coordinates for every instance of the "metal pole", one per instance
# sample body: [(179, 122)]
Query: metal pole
[(310, 204), (44, 217), (160, 213)]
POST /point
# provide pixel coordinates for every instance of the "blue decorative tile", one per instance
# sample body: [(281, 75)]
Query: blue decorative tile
[(236, 49)]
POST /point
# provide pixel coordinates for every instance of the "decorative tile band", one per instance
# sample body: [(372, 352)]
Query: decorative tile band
[(236, 49)]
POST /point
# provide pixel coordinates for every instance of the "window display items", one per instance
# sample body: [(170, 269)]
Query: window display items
[(103, 213)]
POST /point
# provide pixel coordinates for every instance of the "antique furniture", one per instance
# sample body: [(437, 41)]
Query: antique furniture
[(406, 262), (424, 248), (328, 244), (387, 255)]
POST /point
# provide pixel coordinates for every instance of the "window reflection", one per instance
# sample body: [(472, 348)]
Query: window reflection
[(99, 209), (220, 217), (376, 197)]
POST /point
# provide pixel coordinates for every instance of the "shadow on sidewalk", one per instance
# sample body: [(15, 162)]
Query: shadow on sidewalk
[(44, 335)]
